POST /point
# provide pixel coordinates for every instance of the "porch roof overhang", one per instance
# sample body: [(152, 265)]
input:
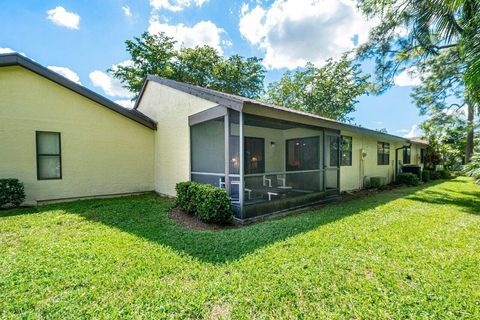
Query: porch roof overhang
[(240, 103)]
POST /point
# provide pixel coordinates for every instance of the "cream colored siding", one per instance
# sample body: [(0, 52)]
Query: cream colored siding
[(415, 154), (356, 176), (171, 109), (103, 152)]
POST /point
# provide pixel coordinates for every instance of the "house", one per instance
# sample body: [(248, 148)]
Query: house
[(64, 141)]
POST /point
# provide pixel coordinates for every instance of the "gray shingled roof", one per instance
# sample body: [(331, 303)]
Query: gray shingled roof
[(237, 102)]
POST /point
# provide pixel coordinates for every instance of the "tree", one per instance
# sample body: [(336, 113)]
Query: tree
[(156, 54), (330, 91), (412, 31), (442, 98)]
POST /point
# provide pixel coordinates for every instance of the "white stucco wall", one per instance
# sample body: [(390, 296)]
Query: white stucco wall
[(171, 109)]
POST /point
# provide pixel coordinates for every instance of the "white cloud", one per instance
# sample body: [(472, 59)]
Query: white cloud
[(456, 109), (293, 32), (111, 86), (63, 18), (414, 132), (66, 72), (175, 5), (126, 103), (9, 50), (402, 130), (126, 11), (202, 33), (408, 77)]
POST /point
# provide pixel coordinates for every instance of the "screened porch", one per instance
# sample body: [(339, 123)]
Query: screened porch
[(265, 165)]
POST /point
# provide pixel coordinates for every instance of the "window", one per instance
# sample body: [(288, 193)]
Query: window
[(346, 150), (302, 154), (422, 156), (383, 153), (49, 158), (406, 155), (254, 155)]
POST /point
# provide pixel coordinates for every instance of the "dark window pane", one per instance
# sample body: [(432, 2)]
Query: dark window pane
[(406, 155), (332, 142), (302, 154), (346, 150), (49, 167), (254, 155), (49, 162), (383, 153), (48, 143)]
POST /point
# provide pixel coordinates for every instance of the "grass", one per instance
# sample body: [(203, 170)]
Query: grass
[(406, 253)]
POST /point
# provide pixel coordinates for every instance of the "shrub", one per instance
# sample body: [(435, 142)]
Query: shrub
[(434, 175), (472, 169), (409, 179), (426, 175), (11, 192), (184, 196), (208, 203), (444, 174), (377, 182)]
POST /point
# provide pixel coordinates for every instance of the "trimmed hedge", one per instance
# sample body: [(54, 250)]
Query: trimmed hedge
[(426, 175), (409, 179), (12, 192), (208, 203)]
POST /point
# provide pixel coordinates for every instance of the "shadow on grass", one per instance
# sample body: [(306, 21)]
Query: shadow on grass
[(468, 201), (147, 217)]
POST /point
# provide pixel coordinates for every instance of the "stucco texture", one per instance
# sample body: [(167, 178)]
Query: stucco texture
[(103, 152), (171, 109)]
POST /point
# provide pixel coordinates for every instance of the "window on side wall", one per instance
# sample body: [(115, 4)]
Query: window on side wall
[(383, 153), (49, 155), (406, 155), (346, 150), (254, 155)]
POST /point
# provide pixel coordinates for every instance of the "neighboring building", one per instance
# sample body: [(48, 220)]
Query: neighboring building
[(64, 141), (267, 158)]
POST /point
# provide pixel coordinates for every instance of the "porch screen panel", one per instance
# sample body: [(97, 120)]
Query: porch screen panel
[(207, 152), (332, 156), (234, 159)]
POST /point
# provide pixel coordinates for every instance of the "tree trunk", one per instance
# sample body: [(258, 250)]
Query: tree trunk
[(469, 149)]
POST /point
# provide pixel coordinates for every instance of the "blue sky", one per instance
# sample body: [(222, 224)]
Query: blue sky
[(81, 39)]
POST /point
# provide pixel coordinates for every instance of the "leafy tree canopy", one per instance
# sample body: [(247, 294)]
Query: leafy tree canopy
[(440, 38), (330, 91), (156, 54)]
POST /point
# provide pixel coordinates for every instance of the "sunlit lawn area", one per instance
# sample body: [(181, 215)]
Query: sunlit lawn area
[(405, 253)]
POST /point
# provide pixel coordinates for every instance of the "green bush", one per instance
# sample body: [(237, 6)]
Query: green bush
[(11, 192), (444, 174), (409, 179), (184, 196), (434, 175), (208, 203), (426, 175), (377, 182), (472, 169)]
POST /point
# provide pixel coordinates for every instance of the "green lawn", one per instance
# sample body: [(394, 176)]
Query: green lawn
[(406, 253)]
